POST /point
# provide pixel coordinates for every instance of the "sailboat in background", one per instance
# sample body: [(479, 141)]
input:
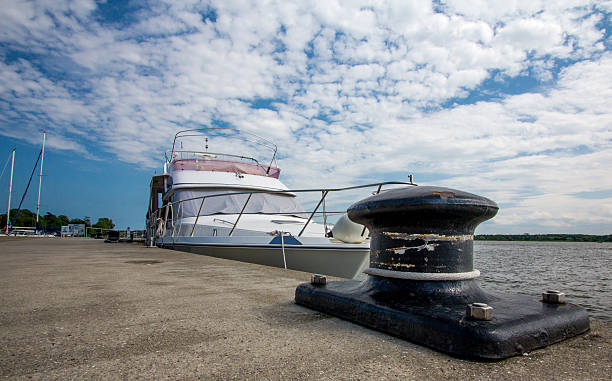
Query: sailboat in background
[(42, 159), (8, 211), (10, 223)]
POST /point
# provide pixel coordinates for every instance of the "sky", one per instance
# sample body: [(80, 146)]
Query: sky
[(511, 100)]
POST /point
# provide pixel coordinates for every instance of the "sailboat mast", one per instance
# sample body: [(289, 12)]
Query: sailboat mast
[(42, 159), (8, 212)]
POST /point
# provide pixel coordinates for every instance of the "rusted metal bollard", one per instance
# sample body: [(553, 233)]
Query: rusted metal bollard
[(421, 281)]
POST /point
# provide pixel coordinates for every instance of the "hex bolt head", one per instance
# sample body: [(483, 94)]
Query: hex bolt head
[(553, 297), (318, 279), (479, 311)]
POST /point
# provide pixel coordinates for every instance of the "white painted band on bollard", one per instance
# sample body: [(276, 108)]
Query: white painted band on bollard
[(422, 276)]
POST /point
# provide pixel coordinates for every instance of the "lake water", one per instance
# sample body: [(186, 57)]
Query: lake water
[(579, 269), (582, 270)]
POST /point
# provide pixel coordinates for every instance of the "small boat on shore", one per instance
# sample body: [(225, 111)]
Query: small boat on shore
[(234, 206)]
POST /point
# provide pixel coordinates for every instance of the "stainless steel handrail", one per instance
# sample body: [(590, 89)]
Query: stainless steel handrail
[(240, 215), (203, 153), (313, 212), (377, 192), (324, 192), (174, 223), (227, 133), (290, 191), (198, 216), (325, 218)]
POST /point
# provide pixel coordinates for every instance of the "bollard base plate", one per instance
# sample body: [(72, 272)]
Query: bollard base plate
[(433, 314)]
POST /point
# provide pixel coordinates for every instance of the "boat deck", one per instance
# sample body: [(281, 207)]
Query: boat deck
[(79, 309)]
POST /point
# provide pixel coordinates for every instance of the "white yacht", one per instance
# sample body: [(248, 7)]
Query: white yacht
[(233, 206)]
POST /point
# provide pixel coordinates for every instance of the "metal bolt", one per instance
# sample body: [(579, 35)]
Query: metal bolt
[(553, 297), (479, 311), (318, 279)]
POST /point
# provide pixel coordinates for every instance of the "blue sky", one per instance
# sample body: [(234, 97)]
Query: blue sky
[(506, 99)]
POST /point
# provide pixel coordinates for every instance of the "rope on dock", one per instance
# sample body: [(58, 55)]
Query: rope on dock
[(422, 276)]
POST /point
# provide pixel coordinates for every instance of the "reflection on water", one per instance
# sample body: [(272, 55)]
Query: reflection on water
[(580, 269)]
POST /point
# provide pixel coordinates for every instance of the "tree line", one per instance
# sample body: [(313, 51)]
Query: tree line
[(27, 218), (544, 237)]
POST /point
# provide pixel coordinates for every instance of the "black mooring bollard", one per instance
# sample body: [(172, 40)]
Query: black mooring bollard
[(421, 281)]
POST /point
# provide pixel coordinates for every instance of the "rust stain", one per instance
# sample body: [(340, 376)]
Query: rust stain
[(394, 265), (429, 237), (402, 249), (445, 195)]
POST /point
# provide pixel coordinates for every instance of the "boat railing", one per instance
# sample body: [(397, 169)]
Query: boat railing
[(171, 156), (228, 133), (161, 215)]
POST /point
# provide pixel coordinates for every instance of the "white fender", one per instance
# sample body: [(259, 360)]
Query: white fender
[(347, 231)]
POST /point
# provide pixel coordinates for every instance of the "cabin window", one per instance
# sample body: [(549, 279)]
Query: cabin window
[(232, 204)]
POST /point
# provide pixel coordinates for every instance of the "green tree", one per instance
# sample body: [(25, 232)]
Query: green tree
[(50, 220), (25, 218), (79, 221), (104, 223), (63, 220)]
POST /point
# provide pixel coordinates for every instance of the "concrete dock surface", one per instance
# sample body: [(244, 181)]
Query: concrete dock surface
[(82, 309)]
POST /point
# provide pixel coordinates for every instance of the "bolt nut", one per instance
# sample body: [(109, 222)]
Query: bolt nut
[(318, 279), (553, 297), (479, 311)]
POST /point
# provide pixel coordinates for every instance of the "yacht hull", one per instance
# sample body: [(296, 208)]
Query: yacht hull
[(334, 259)]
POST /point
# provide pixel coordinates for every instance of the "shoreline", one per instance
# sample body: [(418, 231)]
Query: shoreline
[(528, 237)]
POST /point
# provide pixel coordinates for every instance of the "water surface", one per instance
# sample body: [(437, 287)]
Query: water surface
[(580, 269)]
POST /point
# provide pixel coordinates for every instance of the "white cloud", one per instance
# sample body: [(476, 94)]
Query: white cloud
[(358, 89), (541, 35)]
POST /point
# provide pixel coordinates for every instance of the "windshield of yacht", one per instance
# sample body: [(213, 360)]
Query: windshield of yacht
[(233, 204)]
